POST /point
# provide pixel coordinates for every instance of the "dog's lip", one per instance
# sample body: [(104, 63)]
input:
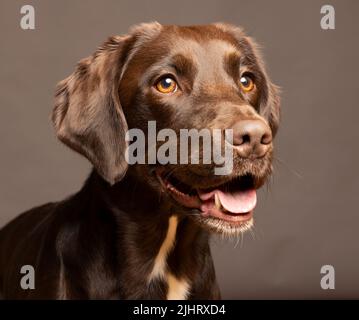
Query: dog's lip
[(229, 217), (205, 200), (182, 198)]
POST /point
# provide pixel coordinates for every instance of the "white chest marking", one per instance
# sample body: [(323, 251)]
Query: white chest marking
[(178, 289), (160, 265)]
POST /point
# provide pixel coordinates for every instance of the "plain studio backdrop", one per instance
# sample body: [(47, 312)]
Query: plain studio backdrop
[(307, 216)]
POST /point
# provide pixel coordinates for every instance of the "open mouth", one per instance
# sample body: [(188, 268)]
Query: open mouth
[(232, 201)]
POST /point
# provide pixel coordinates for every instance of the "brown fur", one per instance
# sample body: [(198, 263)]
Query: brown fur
[(101, 243)]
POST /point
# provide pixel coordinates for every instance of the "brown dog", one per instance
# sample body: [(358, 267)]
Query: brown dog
[(141, 231)]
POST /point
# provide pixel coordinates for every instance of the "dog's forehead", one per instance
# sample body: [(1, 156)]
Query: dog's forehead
[(202, 53), (205, 51), (203, 48), (198, 43)]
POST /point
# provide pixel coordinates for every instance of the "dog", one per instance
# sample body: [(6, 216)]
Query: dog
[(142, 231)]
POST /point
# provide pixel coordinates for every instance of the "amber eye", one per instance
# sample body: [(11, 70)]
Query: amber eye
[(166, 85), (247, 83)]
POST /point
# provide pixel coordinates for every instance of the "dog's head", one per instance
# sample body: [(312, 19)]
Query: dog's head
[(172, 77)]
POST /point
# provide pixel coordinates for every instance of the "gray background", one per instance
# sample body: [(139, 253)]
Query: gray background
[(307, 218)]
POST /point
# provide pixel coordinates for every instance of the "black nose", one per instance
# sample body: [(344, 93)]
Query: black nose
[(252, 138)]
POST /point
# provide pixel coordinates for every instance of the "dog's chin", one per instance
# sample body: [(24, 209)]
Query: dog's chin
[(224, 207), (223, 227)]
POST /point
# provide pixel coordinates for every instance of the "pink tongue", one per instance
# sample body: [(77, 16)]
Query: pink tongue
[(234, 202), (239, 201)]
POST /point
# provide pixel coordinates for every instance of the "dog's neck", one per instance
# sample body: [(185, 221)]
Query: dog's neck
[(161, 247)]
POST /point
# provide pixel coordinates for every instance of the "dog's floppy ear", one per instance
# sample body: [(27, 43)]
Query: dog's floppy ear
[(269, 106), (88, 116)]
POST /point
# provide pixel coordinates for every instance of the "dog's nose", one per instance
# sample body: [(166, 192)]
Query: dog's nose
[(252, 138)]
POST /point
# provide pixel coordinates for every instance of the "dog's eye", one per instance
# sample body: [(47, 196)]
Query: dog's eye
[(166, 85), (247, 83)]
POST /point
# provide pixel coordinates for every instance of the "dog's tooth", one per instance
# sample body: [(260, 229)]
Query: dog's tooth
[(217, 202)]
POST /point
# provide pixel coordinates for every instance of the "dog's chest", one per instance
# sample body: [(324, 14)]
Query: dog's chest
[(177, 288)]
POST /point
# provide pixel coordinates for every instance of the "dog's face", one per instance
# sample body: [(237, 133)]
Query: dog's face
[(202, 77)]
